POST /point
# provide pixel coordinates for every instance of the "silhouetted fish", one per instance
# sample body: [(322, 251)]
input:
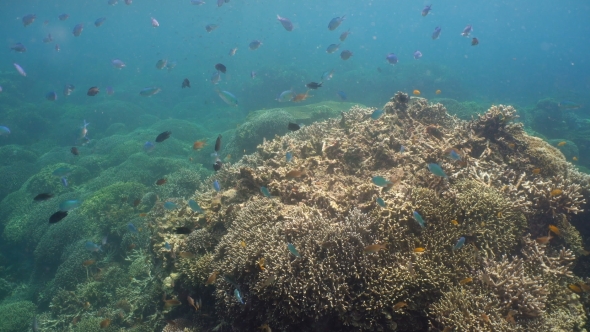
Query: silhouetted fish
[(182, 230), (220, 67), (42, 197), (93, 91), (186, 83), (74, 151), (293, 126), (218, 143), (59, 215), (163, 136)]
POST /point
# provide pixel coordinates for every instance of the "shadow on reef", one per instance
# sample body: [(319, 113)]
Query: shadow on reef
[(412, 221)]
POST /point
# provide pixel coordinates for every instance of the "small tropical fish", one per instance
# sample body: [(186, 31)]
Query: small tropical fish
[(335, 22), (64, 181), (346, 54), (344, 35), (242, 244), (285, 22), (161, 63), (186, 254), (171, 303), (417, 55), (342, 95), (374, 248), (555, 192), (255, 44), (233, 51), (402, 149), (455, 222), (391, 58), (69, 205), (467, 31), (105, 323), (117, 63), (143, 215), (238, 296), (221, 67), (554, 229), (210, 27), (327, 75), (51, 95), (93, 247), (568, 105), (293, 126), (57, 216), (585, 287), (42, 197), (182, 230), (381, 181), (161, 182), (93, 91), (68, 89), (399, 305), (419, 250), (438, 92), (300, 97), (270, 280), (293, 250), (265, 191), (170, 206), (436, 33), (19, 69), (562, 143), (74, 151), (216, 77), (198, 145), (29, 19), (575, 288), (295, 174), (574, 158), (332, 48), (88, 262), (132, 228), (313, 85), (195, 206), (212, 278), (216, 186), (459, 243), (78, 29), (218, 143), (474, 41), (376, 114), (454, 154), (149, 91), (416, 92), (419, 219), (99, 21), (154, 22), (261, 263), (148, 146), (544, 239), (167, 246), (466, 281), (228, 98), (285, 96), (217, 165), (426, 10), (437, 170), (84, 130), (537, 171), (163, 136), (18, 47)]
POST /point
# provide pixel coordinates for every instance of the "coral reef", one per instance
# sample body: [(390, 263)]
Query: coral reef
[(16, 316)]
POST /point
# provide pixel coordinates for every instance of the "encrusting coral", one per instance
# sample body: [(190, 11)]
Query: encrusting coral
[(304, 258)]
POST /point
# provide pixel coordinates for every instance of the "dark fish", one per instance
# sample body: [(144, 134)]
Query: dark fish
[(28, 19), (344, 35), (74, 151), (63, 17), (78, 29), (93, 91), (182, 230), (285, 22), (335, 22), (255, 44), (42, 197), (186, 83), (128, 2), (136, 202), (217, 165), (218, 143), (426, 10), (219, 3), (112, 2), (99, 21), (163, 136), (293, 126), (474, 41), (342, 95), (48, 39), (332, 48), (220, 67), (391, 58), (436, 33), (346, 54), (18, 47), (314, 85), (161, 182), (59, 215), (51, 95), (161, 63), (210, 27)]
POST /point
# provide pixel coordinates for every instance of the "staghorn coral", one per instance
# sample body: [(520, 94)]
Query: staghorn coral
[(16, 316)]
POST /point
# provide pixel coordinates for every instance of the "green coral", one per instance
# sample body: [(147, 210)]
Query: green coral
[(17, 316)]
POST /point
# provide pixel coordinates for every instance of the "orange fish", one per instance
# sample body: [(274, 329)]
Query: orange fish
[(161, 182), (511, 145), (416, 92), (537, 171), (191, 301), (555, 192), (466, 281), (574, 288), (242, 244), (554, 229), (86, 305), (562, 143), (419, 250), (438, 92), (294, 174), (171, 303), (212, 278), (575, 158), (584, 287), (261, 263), (198, 145), (500, 214), (455, 222), (105, 323), (300, 97), (544, 239), (143, 214), (373, 248), (399, 305), (88, 262)]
